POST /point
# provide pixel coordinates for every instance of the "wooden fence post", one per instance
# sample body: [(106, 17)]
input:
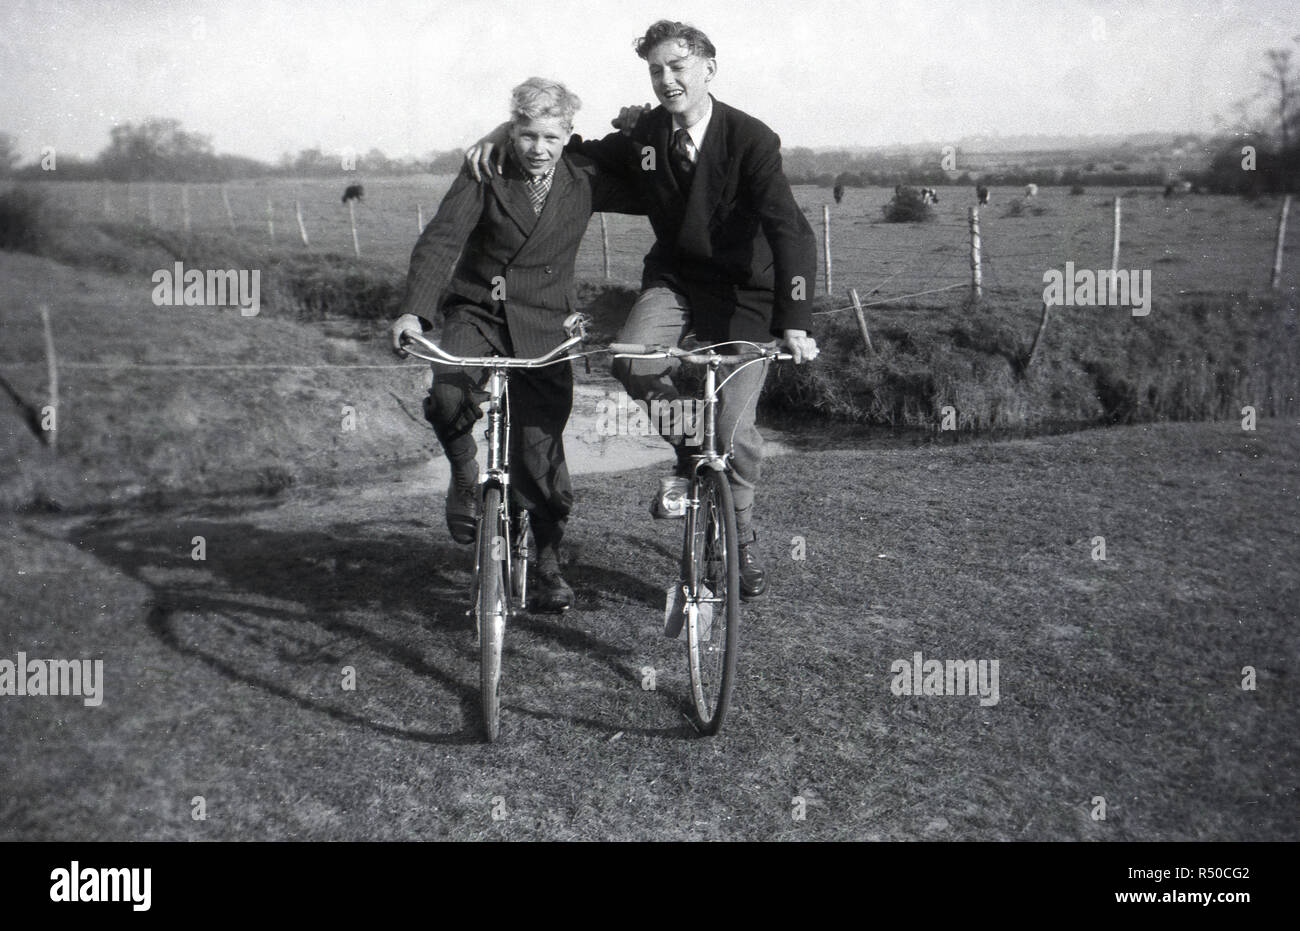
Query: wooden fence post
[(352, 215), (270, 219), (604, 244), (302, 227), (976, 272), (1114, 248), (862, 318), (419, 219), (185, 207), (52, 370), (230, 214), (1276, 278), (1033, 349), (826, 242)]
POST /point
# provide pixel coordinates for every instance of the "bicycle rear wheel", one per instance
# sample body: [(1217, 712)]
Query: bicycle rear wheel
[(519, 555), (711, 564), (491, 607)]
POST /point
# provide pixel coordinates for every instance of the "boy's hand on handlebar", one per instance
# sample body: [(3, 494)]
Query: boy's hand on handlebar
[(406, 323), (479, 157), (800, 345)]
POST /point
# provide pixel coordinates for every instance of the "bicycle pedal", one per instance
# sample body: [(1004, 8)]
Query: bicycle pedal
[(670, 502)]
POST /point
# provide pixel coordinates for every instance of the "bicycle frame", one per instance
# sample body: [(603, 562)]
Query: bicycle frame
[(495, 599), (497, 433), (712, 360), (705, 599), (709, 457)]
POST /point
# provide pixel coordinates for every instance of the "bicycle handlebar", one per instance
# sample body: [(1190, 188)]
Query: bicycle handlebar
[(558, 354), (705, 355)]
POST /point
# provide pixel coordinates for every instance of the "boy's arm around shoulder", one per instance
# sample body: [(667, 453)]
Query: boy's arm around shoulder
[(610, 191), (618, 153)]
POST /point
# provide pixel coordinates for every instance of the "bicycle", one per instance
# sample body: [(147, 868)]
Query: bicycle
[(706, 597), (500, 586)]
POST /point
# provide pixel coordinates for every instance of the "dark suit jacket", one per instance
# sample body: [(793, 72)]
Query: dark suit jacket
[(738, 243), (493, 230)]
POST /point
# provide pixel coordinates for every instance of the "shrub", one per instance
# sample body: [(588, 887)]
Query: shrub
[(25, 221), (1076, 189)]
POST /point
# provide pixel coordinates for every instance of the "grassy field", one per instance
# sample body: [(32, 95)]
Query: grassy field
[(1120, 678), (1191, 244)]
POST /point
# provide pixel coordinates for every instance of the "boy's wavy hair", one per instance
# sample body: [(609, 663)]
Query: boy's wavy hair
[(542, 99), (668, 31)]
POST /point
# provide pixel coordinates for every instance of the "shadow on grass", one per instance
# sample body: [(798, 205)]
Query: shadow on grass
[(285, 611)]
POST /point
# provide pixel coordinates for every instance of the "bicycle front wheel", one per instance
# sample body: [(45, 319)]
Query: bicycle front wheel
[(491, 607), (711, 580)]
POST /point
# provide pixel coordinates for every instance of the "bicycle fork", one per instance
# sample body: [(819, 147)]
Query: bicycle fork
[(497, 474), (692, 597)]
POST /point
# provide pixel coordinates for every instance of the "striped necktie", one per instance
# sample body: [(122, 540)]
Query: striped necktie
[(682, 156), (538, 188)]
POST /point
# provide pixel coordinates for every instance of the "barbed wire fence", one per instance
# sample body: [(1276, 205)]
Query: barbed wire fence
[(960, 253), (895, 261)]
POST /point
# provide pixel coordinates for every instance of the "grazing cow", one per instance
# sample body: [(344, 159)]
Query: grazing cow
[(982, 194), (354, 192), (1178, 187), (928, 196), (1031, 190), (838, 192)]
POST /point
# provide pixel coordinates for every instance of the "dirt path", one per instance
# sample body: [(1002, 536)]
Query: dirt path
[(587, 448)]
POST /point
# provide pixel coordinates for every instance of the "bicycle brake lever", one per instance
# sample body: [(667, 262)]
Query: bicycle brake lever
[(576, 325)]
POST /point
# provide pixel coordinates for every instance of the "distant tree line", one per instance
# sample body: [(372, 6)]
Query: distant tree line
[(827, 169), (159, 149), (1248, 163)]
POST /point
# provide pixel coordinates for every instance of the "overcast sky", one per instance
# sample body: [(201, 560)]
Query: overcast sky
[(262, 77)]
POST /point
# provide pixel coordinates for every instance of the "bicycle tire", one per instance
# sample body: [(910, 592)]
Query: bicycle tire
[(491, 608), (711, 560)]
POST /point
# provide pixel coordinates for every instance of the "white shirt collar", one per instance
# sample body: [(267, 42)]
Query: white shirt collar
[(699, 128)]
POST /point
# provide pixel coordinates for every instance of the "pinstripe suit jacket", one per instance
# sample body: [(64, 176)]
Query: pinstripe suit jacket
[(736, 243), (485, 238)]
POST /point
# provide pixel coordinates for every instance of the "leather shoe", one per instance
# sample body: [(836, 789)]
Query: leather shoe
[(753, 580), (462, 506), (554, 594)]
